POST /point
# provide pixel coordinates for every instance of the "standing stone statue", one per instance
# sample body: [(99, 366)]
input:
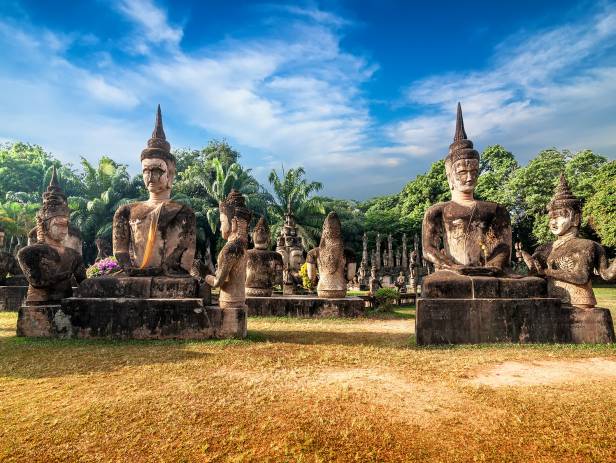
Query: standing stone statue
[(48, 265), (398, 258), (335, 265), (374, 283), (378, 252), (390, 252), (231, 273), (289, 246), (263, 267), (569, 262), (404, 262), (157, 236), (401, 283), (8, 263), (476, 235)]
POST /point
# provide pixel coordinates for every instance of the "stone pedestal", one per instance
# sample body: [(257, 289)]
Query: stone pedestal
[(121, 318), (459, 309), (12, 297), (304, 306), (592, 326)]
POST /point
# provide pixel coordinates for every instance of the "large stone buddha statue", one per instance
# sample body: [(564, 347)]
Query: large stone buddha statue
[(49, 265), (475, 235), (157, 236)]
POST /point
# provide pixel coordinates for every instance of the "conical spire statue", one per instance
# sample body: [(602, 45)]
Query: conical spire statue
[(460, 132), (158, 146)]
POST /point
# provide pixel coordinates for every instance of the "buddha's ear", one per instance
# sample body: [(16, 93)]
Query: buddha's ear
[(448, 166)]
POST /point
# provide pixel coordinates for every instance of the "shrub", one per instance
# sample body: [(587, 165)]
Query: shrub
[(303, 273), (107, 266), (385, 298)]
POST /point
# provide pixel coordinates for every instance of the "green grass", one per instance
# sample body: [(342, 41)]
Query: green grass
[(300, 390)]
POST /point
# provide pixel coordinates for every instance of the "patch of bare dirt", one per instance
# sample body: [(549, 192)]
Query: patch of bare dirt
[(546, 372)]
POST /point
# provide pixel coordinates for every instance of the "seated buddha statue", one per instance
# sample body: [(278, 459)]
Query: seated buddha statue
[(230, 275), (475, 235), (335, 265), (264, 267), (157, 236), (49, 265), (569, 262)]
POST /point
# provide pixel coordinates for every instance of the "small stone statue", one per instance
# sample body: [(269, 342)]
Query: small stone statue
[(231, 273), (103, 248), (476, 235), (335, 265), (375, 283), (378, 251), (157, 236), (401, 283), (264, 267), (289, 246), (404, 261), (8, 263), (49, 265), (569, 262)]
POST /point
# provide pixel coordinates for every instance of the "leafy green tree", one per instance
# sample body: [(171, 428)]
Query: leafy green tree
[(17, 218), (292, 192), (600, 209), (497, 165)]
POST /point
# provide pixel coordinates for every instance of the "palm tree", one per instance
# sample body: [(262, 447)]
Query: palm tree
[(17, 218), (292, 195), (106, 187)]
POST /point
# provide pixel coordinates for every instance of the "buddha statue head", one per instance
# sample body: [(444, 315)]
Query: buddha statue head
[(462, 161), (260, 234), (234, 215), (52, 219), (157, 162), (564, 210)]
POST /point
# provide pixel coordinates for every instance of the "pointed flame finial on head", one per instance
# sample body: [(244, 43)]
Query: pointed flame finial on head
[(159, 132), (460, 132)]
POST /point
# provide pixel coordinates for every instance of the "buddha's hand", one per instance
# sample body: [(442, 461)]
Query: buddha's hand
[(210, 280)]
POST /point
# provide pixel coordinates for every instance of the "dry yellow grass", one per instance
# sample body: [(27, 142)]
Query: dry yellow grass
[(299, 390)]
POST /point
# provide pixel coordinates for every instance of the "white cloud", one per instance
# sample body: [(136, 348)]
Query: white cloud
[(545, 89), (152, 22)]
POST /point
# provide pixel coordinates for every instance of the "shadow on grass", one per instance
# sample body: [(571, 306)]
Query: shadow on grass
[(44, 358), (373, 339)]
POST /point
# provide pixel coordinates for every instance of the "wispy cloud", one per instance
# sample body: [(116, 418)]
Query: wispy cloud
[(543, 89)]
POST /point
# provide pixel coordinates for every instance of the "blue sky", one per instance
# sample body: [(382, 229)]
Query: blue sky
[(361, 93)]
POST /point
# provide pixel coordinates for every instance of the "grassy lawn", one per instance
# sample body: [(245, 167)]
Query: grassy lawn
[(306, 390)]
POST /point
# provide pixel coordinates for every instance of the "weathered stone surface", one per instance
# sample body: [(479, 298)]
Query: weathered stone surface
[(116, 318), (534, 320), (335, 265), (49, 265), (231, 272), (139, 287), (475, 321), (570, 262), (592, 326), (450, 285), (465, 232), (158, 234), (263, 267), (304, 306), (12, 297)]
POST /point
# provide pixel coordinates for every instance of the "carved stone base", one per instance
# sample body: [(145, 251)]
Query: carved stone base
[(535, 320), (592, 326), (475, 321), (120, 318), (262, 292), (12, 297), (304, 306)]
